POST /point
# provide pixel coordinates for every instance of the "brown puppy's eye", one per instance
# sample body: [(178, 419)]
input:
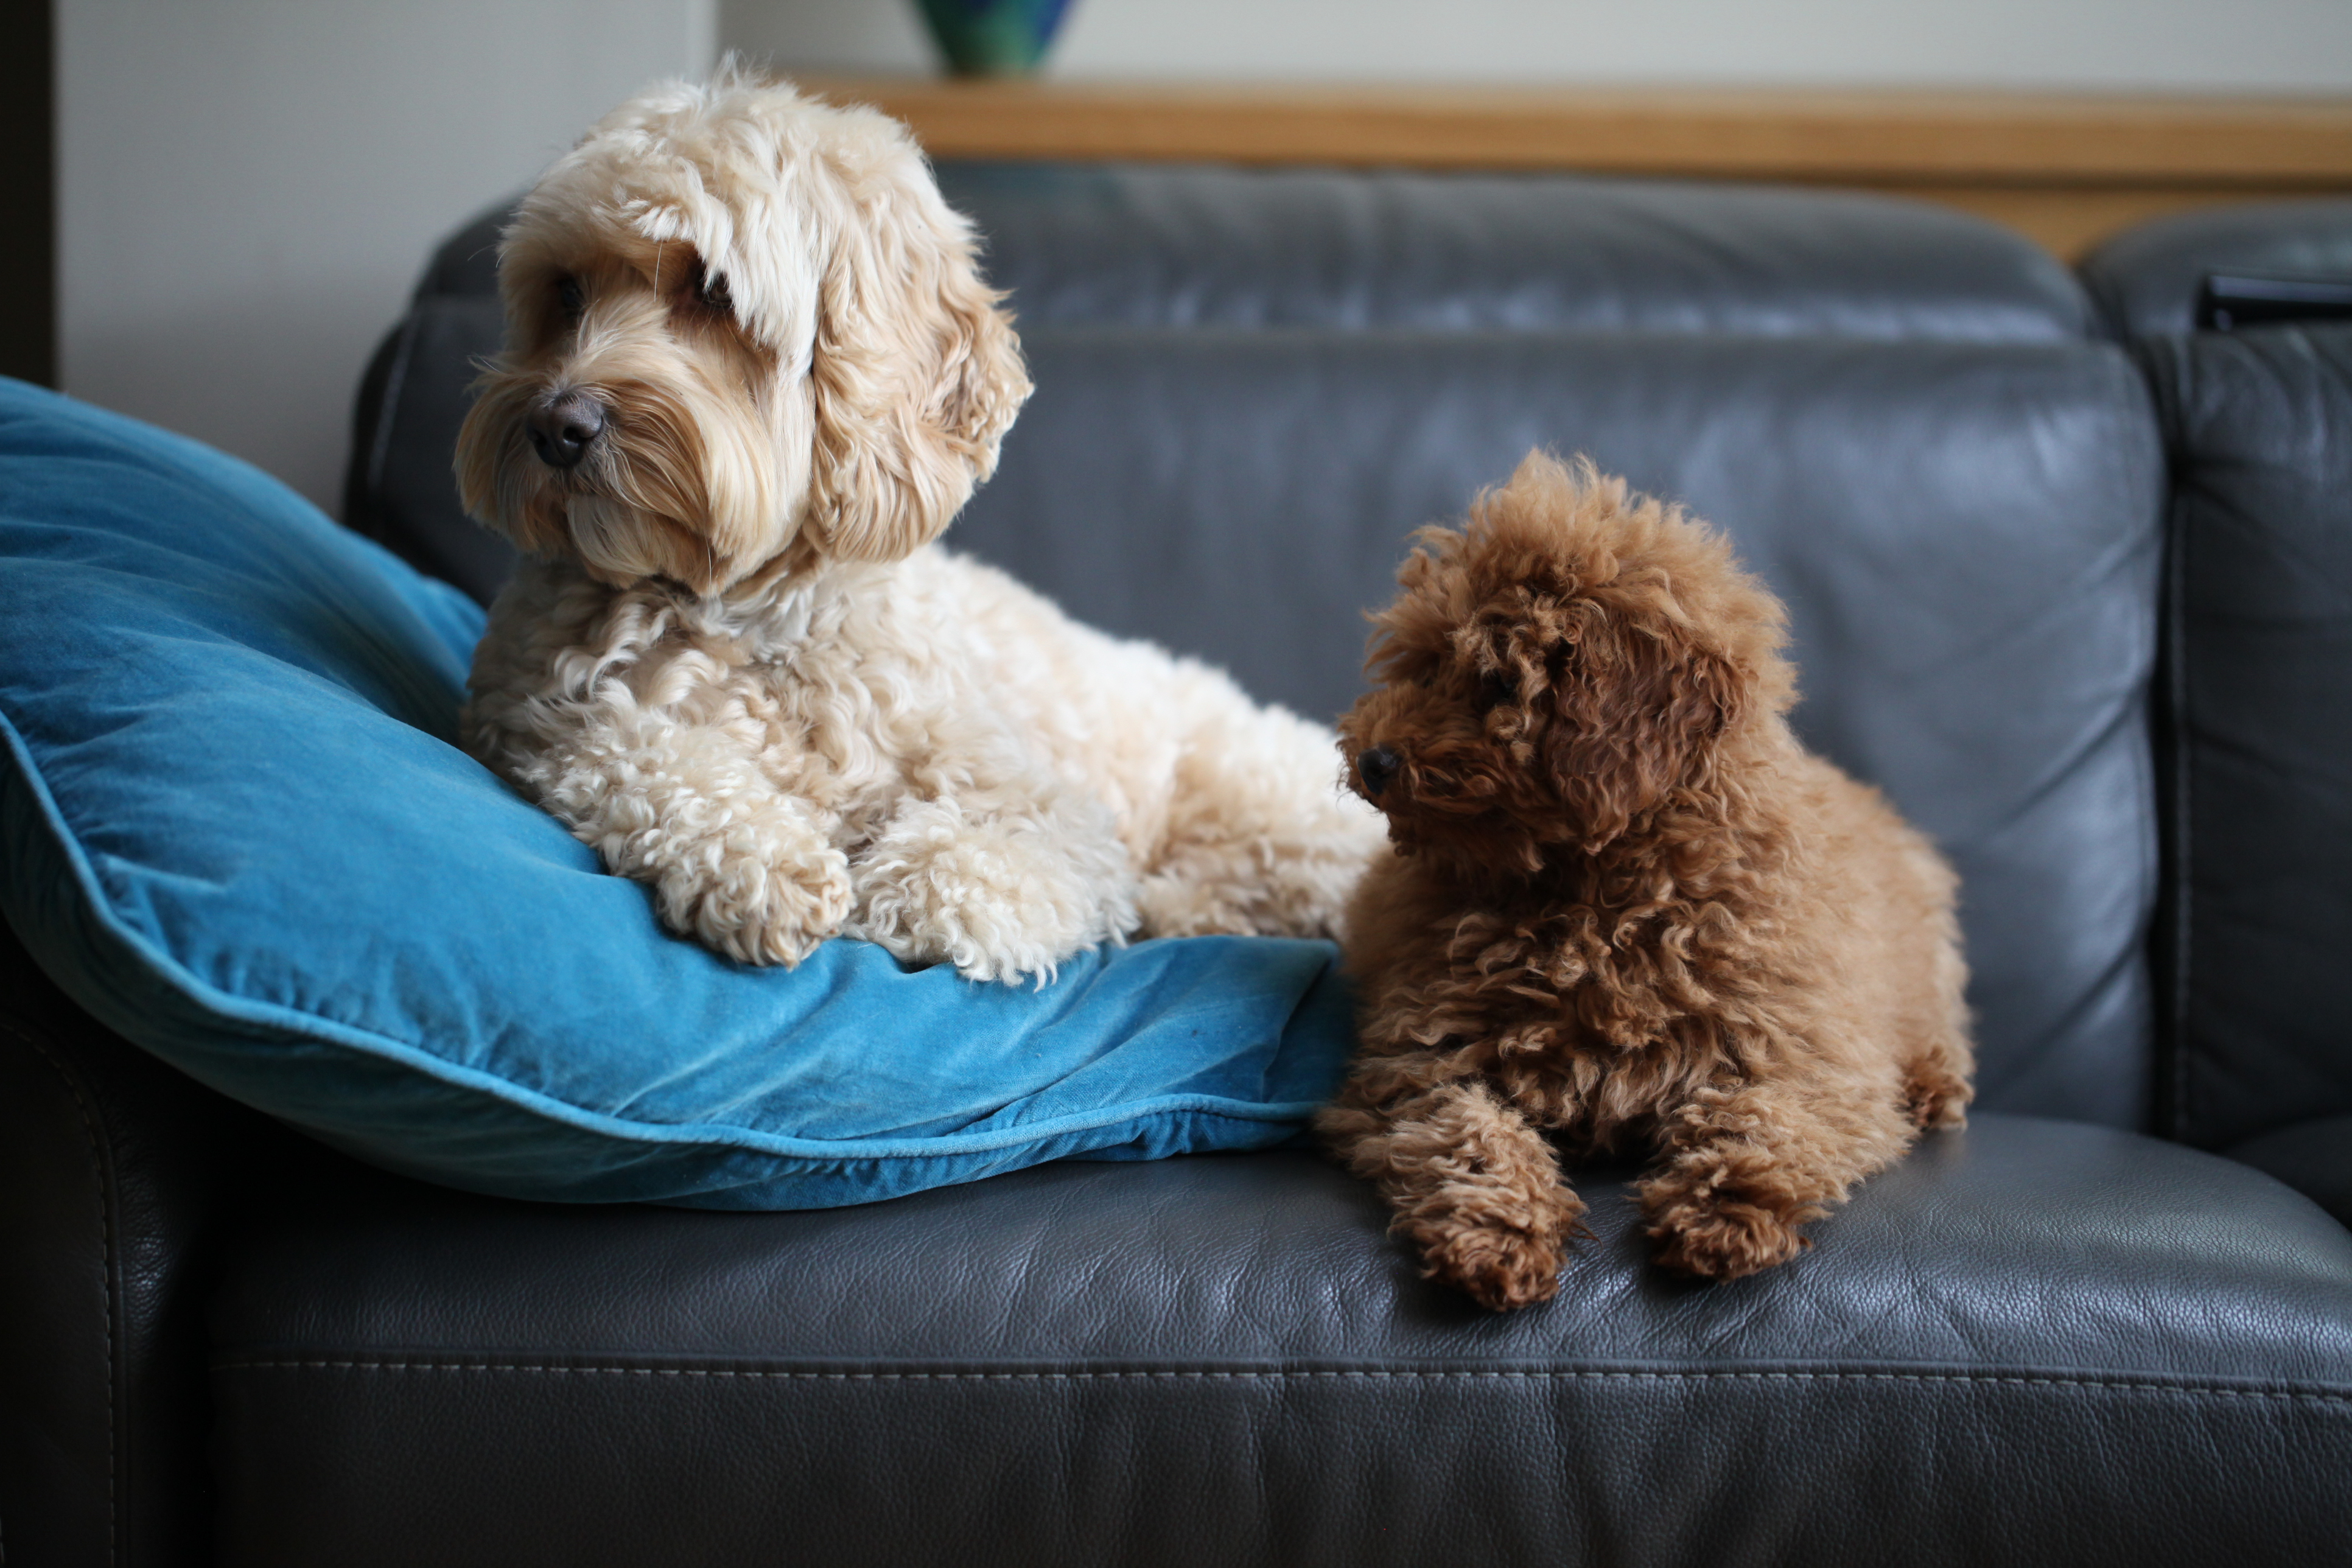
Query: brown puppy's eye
[(1497, 687), (568, 297)]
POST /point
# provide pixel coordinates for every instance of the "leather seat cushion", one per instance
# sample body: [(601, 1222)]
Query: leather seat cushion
[(2033, 1341), (2313, 1157)]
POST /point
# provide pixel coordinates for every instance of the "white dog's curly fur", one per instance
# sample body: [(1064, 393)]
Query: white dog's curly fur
[(750, 373)]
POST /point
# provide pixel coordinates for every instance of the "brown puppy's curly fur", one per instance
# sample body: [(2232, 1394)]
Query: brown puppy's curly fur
[(1624, 904)]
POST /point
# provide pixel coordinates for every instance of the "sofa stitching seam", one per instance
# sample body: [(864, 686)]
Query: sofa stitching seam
[(2173, 627), (2013, 1379), (106, 1272)]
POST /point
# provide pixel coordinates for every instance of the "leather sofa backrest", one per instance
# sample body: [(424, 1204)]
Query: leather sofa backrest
[(2259, 746), (2145, 280), (1252, 385), (1184, 248), (2255, 749), (1179, 247)]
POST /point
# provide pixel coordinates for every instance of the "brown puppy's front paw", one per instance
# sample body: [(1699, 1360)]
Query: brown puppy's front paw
[(1935, 1099), (1477, 1189), (1720, 1235), (1502, 1269)]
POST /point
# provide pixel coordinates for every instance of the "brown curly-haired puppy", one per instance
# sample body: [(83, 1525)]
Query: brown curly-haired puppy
[(1625, 907)]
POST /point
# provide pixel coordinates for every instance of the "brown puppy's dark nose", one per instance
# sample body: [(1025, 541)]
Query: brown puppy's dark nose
[(1377, 766), (562, 427)]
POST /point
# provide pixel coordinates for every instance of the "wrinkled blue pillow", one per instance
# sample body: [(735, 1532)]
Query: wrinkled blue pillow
[(235, 828)]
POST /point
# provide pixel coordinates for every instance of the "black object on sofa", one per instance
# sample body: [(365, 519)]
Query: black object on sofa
[(2049, 1338)]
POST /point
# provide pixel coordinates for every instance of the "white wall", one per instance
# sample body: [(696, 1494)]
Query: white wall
[(247, 188), (2223, 46)]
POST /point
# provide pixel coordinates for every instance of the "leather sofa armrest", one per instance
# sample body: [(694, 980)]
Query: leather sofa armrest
[(116, 1175), (2313, 1157), (2145, 280)]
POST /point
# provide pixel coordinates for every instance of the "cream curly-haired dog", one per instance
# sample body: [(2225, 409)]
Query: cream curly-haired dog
[(751, 374), (1627, 909)]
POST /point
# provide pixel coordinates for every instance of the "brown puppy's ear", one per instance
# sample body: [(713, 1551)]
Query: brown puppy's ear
[(1633, 717), (916, 373)]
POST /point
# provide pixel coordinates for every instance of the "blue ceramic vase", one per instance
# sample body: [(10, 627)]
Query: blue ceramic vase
[(994, 37)]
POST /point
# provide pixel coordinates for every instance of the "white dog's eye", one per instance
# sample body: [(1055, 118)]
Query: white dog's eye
[(568, 295), (711, 290)]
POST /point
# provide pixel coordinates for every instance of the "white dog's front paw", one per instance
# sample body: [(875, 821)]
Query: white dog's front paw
[(999, 898), (1172, 903), (1292, 878), (756, 903)]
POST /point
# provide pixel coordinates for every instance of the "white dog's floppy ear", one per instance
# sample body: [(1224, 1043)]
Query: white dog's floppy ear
[(916, 375)]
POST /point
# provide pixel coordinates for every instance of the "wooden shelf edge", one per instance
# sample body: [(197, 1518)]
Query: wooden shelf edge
[(1832, 137)]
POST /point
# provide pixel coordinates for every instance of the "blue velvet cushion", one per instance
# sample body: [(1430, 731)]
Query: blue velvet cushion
[(236, 829)]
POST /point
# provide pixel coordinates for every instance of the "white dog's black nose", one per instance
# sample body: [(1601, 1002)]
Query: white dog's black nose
[(1378, 767), (562, 427)]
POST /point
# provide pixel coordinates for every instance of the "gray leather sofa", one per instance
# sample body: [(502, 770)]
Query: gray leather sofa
[(2070, 580)]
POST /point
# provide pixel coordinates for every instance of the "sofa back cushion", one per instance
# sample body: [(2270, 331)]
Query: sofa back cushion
[(2259, 743), (2146, 280), (1143, 244), (1253, 384), (1184, 248), (2253, 765), (1967, 536)]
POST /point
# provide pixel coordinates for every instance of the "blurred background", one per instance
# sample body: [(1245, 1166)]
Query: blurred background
[(239, 193), (2214, 45)]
